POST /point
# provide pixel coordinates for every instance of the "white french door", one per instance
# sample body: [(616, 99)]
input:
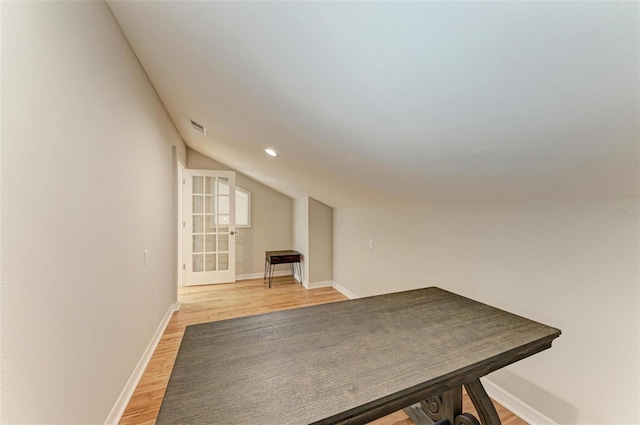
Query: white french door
[(210, 223)]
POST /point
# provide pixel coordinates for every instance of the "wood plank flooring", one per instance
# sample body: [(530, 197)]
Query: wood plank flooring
[(201, 304)]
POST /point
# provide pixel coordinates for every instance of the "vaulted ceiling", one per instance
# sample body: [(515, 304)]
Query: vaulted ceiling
[(377, 103)]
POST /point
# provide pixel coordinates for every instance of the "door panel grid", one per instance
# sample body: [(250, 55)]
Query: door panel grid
[(212, 226)]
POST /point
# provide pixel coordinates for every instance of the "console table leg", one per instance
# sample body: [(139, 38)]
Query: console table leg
[(271, 269), (266, 263), (447, 405), (417, 415), (299, 267), (482, 402)]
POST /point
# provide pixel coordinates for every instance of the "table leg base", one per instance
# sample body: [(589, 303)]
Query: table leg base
[(417, 414), (448, 405), (419, 417)]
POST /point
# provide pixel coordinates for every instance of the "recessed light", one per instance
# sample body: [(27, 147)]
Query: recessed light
[(271, 152)]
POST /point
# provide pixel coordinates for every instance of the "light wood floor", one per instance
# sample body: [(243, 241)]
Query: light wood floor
[(201, 304)]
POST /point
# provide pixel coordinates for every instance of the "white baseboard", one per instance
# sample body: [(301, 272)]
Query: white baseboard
[(261, 275), (347, 293), (123, 400), (323, 284), (515, 405)]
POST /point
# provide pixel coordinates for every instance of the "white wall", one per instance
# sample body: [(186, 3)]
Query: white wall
[(320, 242), (572, 264), (271, 219), (301, 233), (86, 187)]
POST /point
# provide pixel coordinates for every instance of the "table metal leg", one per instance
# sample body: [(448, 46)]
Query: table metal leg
[(296, 272), (269, 270), (266, 262)]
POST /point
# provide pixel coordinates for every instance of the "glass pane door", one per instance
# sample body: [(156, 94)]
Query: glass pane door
[(212, 226)]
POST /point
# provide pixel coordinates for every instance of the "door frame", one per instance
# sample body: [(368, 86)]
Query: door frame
[(181, 224)]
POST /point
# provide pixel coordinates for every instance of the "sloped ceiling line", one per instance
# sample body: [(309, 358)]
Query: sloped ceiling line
[(392, 102)]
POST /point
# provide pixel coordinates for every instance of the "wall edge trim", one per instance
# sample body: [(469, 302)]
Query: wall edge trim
[(347, 293), (127, 392), (515, 405), (322, 284)]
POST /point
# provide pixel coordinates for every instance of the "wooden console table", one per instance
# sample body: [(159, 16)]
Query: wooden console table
[(348, 362), (293, 258)]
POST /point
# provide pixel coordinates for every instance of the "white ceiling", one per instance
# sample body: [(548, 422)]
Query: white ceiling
[(381, 103)]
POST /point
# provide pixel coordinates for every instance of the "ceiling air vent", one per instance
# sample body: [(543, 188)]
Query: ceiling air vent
[(199, 127)]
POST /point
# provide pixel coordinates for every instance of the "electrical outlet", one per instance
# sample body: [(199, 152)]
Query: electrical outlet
[(146, 256), (371, 243)]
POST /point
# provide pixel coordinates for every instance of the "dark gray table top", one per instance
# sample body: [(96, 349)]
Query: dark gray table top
[(325, 363)]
